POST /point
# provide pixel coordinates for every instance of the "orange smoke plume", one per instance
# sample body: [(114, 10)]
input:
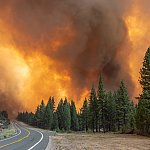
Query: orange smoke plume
[(60, 48)]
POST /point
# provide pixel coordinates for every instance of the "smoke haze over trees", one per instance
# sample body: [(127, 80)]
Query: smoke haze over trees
[(103, 111), (64, 43)]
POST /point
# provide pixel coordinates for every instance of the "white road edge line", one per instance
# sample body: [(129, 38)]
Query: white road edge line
[(12, 136), (49, 145), (38, 141)]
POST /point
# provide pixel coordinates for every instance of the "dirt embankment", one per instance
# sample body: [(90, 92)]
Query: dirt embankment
[(100, 142)]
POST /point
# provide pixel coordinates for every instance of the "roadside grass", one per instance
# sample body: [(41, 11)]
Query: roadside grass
[(108, 141), (6, 133)]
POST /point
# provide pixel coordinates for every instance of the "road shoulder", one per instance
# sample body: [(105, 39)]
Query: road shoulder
[(49, 146), (7, 133), (108, 141)]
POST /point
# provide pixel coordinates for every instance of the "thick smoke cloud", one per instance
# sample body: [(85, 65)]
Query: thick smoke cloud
[(85, 38), (10, 83)]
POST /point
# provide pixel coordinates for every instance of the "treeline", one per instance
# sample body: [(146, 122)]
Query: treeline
[(103, 111), (4, 121), (107, 111), (3, 115), (63, 118), (143, 109)]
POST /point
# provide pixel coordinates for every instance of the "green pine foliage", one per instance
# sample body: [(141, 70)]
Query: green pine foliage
[(143, 108), (67, 115), (48, 115), (101, 104), (42, 112), (74, 118), (111, 112), (55, 122), (93, 110), (124, 109), (83, 117), (3, 115), (37, 117), (104, 111), (60, 114)]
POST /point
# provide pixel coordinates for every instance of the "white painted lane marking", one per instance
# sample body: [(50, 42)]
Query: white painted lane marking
[(38, 141), (17, 141), (12, 136)]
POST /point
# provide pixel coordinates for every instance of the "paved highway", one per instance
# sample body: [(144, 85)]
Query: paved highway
[(26, 139)]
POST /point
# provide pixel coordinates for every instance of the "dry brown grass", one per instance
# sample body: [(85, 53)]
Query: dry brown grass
[(107, 141)]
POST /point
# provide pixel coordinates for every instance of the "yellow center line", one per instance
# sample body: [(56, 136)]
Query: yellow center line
[(17, 141)]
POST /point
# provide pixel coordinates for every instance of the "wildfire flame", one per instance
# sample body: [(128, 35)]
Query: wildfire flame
[(35, 73), (138, 28)]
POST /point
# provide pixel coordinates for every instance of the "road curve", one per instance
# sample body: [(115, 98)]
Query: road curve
[(26, 139)]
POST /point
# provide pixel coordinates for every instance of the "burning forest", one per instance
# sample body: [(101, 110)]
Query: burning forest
[(60, 48)]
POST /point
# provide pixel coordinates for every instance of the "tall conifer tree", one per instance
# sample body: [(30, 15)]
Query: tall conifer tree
[(67, 115), (74, 118), (101, 102), (93, 107), (60, 114), (48, 116), (123, 108), (84, 115), (143, 110)]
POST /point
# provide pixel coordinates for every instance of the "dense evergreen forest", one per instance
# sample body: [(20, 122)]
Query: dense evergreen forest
[(4, 121), (3, 115), (104, 111)]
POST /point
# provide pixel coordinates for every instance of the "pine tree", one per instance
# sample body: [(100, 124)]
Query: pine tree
[(37, 116), (145, 75), (67, 115), (123, 108), (132, 118), (101, 104), (111, 110), (52, 103), (4, 114), (84, 115), (31, 118), (55, 121), (60, 114), (74, 118), (42, 111), (143, 109), (48, 116), (93, 108), (80, 121)]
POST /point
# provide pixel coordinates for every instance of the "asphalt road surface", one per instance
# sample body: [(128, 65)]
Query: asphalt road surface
[(26, 139)]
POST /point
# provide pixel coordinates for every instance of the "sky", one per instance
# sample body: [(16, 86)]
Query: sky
[(60, 48)]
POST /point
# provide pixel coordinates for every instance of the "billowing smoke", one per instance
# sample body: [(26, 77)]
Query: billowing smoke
[(64, 46)]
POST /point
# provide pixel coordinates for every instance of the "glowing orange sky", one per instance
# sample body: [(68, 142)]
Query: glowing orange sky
[(138, 29), (34, 77)]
